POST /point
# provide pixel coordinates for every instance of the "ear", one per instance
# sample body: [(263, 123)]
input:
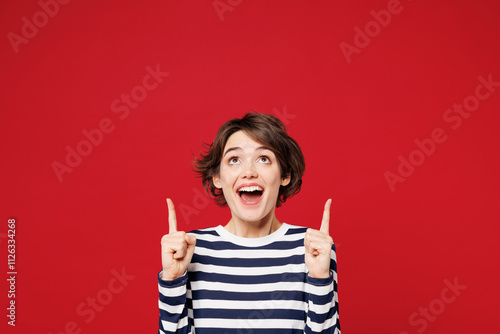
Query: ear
[(285, 180), (216, 181)]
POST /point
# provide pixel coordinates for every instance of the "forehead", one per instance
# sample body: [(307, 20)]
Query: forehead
[(241, 140)]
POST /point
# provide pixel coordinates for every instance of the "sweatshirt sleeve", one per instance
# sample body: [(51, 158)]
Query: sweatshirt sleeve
[(173, 306), (323, 304)]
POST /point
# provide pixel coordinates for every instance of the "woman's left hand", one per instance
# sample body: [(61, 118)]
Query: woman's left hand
[(318, 246)]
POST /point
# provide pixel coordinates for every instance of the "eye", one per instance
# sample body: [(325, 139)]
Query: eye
[(233, 160), (265, 159)]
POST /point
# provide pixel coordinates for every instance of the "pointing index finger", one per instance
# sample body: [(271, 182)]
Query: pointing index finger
[(172, 219), (325, 222)]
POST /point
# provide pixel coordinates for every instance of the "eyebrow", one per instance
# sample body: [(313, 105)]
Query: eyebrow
[(239, 148)]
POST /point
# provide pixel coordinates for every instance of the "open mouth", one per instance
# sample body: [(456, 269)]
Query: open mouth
[(250, 194)]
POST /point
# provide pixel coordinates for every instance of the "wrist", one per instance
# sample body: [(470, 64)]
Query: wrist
[(166, 276), (326, 274)]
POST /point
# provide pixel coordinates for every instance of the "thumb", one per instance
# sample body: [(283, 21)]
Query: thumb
[(190, 239), (325, 222)]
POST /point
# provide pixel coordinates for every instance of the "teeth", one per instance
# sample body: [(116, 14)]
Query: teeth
[(249, 189)]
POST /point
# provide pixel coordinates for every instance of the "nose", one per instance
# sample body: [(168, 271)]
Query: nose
[(249, 171)]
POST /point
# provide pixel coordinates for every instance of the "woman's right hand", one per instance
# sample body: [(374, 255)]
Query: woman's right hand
[(177, 248)]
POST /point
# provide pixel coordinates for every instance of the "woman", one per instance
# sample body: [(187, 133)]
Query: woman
[(254, 274)]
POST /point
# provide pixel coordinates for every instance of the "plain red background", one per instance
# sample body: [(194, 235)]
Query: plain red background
[(395, 248)]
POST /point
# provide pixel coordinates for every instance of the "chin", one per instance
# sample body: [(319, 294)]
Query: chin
[(255, 215)]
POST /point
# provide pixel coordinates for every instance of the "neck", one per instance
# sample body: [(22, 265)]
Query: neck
[(253, 229)]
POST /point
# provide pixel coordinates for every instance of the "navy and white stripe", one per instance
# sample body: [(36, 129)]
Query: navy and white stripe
[(249, 285)]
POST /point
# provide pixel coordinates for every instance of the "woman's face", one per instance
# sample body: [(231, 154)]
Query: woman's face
[(249, 177)]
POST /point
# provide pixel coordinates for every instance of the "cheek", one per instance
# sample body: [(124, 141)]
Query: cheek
[(226, 177), (274, 180)]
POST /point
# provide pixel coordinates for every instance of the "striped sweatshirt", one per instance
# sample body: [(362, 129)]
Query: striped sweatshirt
[(249, 286)]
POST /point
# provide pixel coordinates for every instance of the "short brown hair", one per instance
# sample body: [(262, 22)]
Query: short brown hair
[(265, 129)]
